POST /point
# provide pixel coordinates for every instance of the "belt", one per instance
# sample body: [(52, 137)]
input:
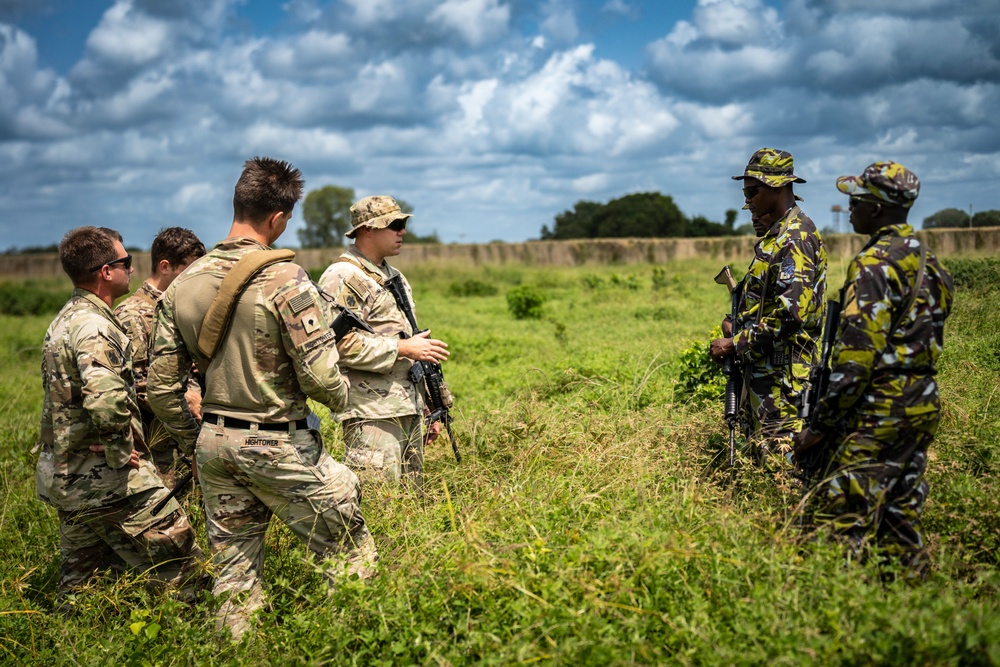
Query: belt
[(233, 422)]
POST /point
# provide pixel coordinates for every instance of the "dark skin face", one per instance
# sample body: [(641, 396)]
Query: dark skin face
[(867, 217), (767, 204)]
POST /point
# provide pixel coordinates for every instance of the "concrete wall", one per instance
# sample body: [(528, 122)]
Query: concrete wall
[(945, 242)]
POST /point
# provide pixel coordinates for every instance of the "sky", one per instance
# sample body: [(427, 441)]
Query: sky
[(489, 117)]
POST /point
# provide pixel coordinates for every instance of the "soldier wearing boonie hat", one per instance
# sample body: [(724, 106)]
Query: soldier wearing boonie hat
[(881, 407), (781, 303), (383, 420)]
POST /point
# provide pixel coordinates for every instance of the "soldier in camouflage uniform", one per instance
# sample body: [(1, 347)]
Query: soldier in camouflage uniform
[(255, 455), (383, 417), (90, 467), (881, 408), (781, 307), (174, 248)]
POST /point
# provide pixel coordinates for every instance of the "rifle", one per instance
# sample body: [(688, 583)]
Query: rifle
[(346, 321), (428, 373), (731, 367), (178, 487), (819, 380)]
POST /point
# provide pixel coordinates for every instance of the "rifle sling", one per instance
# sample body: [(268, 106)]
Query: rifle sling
[(220, 312), (914, 293), (383, 283)]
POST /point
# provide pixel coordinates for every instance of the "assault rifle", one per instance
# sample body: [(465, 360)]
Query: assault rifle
[(731, 367), (346, 321), (426, 373), (819, 380), (178, 487)]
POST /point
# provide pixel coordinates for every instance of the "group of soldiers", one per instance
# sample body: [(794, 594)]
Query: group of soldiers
[(213, 358), (211, 362), (866, 439)]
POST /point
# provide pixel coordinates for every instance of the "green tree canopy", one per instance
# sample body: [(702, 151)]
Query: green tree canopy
[(642, 214), (948, 217), (327, 212), (986, 219)]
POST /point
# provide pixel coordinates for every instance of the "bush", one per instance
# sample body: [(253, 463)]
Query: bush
[(970, 273), (472, 287), (700, 378), (29, 298), (525, 302)]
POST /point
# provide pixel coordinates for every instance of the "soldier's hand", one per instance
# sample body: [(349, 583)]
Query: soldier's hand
[(433, 431), (193, 399), (805, 440), (133, 460), (721, 348), (727, 327), (422, 347)]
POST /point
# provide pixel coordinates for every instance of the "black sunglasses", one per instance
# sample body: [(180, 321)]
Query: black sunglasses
[(125, 261), (398, 225), (750, 191)]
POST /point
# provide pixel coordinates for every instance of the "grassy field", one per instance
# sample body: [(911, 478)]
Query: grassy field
[(590, 522)]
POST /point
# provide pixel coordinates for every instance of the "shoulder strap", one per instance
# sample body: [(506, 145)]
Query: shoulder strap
[(216, 321), (914, 291), (374, 275)]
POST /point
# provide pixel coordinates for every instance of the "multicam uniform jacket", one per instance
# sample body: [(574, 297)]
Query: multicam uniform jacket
[(136, 316), (279, 348), (781, 316), (877, 373), (380, 389), (89, 400)]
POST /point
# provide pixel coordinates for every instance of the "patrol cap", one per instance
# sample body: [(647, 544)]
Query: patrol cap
[(772, 167), (377, 211), (883, 183)]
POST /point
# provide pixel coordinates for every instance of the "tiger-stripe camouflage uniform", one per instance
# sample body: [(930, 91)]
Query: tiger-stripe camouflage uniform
[(136, 314), (781, 311), (382, 419), (882, 407), (105, 504)]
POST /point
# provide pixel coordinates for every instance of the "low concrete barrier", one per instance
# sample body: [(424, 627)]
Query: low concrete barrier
[(945, 242)]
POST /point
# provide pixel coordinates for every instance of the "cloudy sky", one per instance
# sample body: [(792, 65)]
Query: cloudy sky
[(488, 116)]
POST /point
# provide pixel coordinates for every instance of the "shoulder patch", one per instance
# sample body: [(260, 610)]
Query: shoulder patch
[(301, 301), (787, 269), (357, 284)]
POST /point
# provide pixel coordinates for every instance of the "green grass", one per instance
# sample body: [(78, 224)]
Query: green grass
[(590, 522)]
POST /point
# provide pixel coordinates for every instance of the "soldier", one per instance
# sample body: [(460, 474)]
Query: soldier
[(174, 248), (90, 467), (781, 305), (253, 323), (383, 417), (881, 407)]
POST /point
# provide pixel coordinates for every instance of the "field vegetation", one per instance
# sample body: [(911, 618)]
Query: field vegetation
[(593, 520)]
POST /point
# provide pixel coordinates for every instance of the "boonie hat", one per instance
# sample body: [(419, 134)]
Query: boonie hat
[(377, 211), (883, 183), (772, 167)]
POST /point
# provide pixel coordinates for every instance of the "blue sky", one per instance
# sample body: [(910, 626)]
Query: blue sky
[(490, 117)]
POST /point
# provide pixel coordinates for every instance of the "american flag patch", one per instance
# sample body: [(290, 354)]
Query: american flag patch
[(300, 302)]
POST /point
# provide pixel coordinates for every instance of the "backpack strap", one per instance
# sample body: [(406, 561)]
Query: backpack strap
[(216, 321)]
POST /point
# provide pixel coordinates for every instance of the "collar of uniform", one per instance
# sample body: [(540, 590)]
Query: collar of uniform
[(778, 226), (236, 242), (150, 290), (901, 229), (386, 269), (94, 299)]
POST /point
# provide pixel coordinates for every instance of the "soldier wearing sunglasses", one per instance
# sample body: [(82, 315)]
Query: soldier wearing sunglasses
[(384, 414), (781, 305)]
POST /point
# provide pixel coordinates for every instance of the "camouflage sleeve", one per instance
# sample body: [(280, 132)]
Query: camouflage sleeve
[(169, 369), (793, 300), (307, 337), (107, 398), (865, 318), (138, 332), (358, 350)]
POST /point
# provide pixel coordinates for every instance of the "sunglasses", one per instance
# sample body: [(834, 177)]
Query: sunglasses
[(125, 261), (398, 225), (750, 191)]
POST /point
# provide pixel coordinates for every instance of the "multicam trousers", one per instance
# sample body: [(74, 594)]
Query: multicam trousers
[(773, 397), (162, 546), (875, 489), (249, 474), (391, 448)]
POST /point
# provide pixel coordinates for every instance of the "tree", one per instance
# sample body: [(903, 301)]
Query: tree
[(642, 214), (986, 219), (948, 217), (327, 212)]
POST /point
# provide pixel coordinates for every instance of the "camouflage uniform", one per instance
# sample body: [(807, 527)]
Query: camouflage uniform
[(781, 311), (776, 339), (382, 420), (136, 314), (105, 505), (882, 407), (255, 455)]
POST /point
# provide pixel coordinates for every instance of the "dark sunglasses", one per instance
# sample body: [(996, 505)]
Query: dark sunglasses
[(750, 191), (125, 261), (398, 225)]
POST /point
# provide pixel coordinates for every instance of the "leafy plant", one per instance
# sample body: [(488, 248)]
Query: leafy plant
[(700, 377), (472, 287), (525, 302)]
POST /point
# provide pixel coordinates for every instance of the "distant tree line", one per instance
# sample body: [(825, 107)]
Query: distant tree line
[(643, 214), (956, 217), (327, 214)]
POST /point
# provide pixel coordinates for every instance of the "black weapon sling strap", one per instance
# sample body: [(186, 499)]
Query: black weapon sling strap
[(215, 324), (381, 280)]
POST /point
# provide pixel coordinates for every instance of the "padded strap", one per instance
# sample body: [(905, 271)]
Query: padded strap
[(216, 321)]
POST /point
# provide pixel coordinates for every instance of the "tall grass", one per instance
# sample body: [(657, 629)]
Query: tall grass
[(591, 521)]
